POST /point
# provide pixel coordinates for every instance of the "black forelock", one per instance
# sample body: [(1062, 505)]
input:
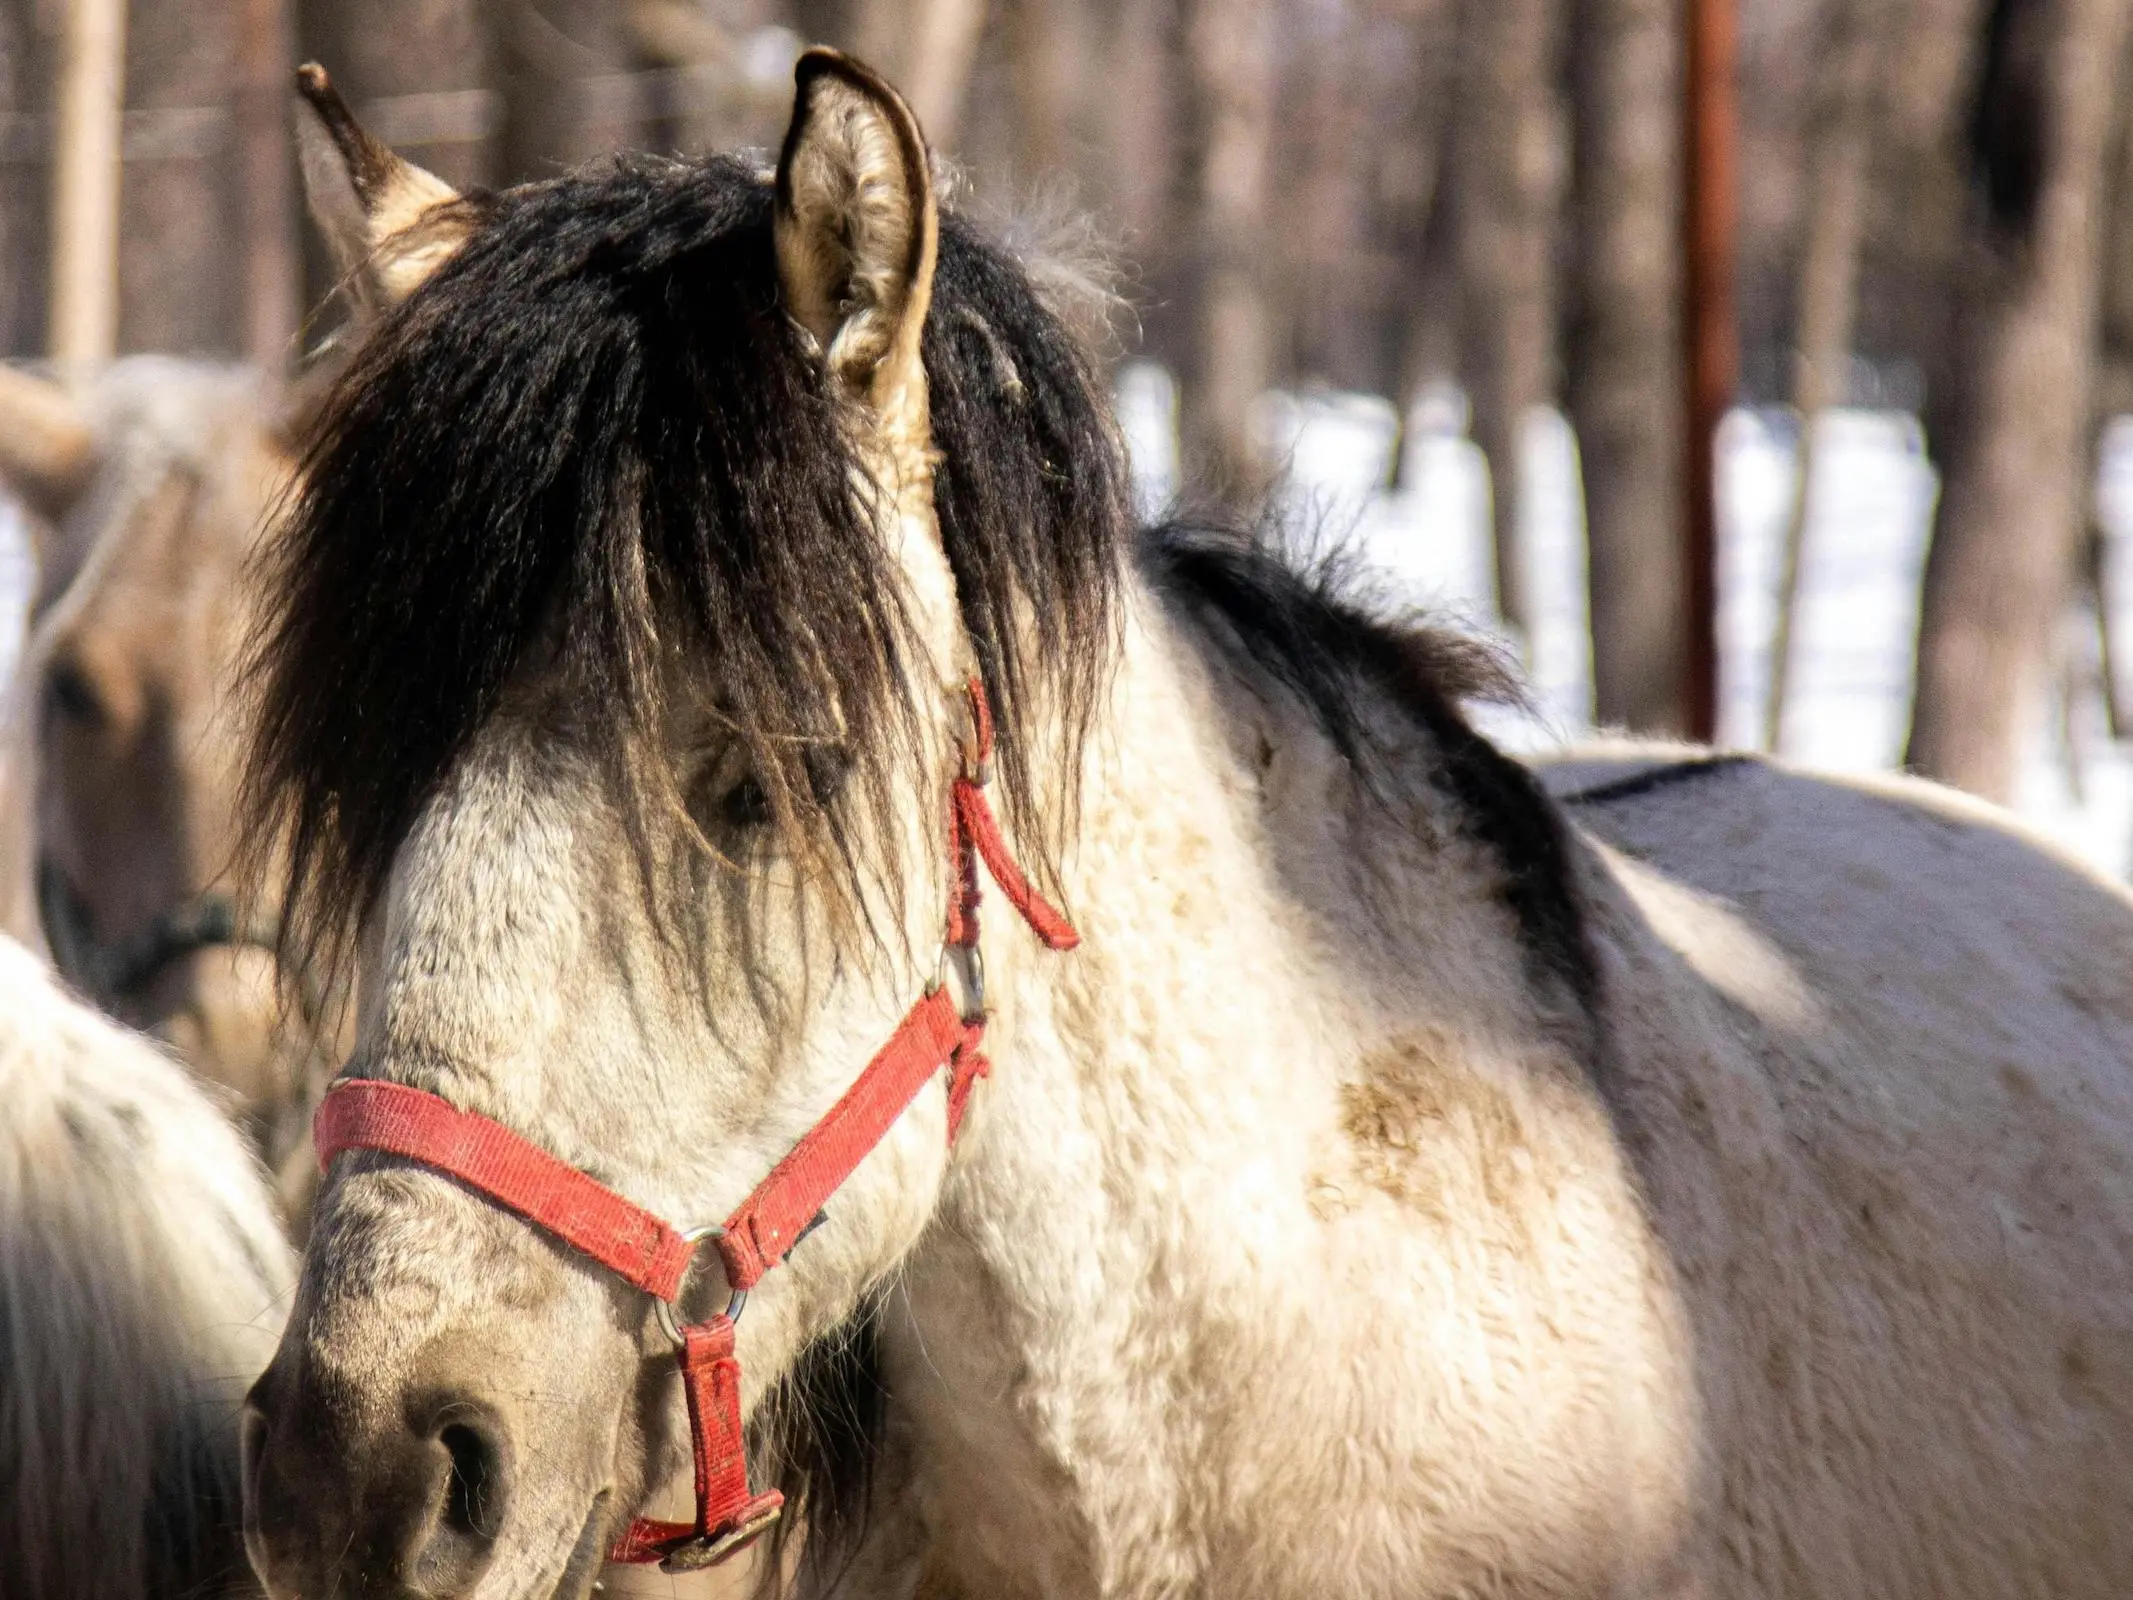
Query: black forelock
[(596, 426)]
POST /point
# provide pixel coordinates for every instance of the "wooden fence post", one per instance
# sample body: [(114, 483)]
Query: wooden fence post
[(85, 188)]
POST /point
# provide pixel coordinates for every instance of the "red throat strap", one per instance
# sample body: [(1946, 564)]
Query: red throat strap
[(648, 1252)]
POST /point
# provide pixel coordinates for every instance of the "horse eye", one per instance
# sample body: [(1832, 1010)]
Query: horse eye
[(745, 805), (73, 696)]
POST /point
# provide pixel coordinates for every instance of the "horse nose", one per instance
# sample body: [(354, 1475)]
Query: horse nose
[(412, 1508)]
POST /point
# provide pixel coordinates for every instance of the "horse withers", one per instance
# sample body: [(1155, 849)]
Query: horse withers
[(713, 680), (118, 784)]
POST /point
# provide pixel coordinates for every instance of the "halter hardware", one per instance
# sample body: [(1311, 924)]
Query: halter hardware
[(646, 1251), (117, 972), (668, 1311)]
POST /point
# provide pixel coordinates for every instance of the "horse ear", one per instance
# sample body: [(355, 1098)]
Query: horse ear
[(857, 227), (47, 447), (381, 215)]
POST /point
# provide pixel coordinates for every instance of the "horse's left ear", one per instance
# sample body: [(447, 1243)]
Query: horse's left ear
[(857, 228)]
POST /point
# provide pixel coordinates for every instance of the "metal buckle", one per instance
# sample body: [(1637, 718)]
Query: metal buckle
[(969, 964), (669, 1322), (711, 1549)]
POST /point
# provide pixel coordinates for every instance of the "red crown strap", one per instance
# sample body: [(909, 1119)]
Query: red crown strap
[(771, 1219), (979, 830), (363, 1113)]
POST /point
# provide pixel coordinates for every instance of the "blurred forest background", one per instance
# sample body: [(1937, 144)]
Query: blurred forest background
[(1395, 197)]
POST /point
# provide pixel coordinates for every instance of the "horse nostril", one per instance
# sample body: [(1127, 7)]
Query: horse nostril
[(456, 1532), (473, 1487)]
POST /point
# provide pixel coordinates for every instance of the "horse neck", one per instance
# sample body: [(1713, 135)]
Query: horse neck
[(1165, 1137)]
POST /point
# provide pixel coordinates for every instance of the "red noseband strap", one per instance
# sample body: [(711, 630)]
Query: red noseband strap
[(644, 1250)]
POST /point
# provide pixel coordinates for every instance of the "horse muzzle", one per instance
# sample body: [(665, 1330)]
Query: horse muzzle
[(410, 1505)]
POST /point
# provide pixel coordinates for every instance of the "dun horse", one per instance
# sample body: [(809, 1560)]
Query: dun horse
[(143, 1278), (1412, 1184), (118, 785)]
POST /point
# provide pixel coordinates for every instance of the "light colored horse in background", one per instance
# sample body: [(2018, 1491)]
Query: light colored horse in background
[(118, 774), (143, 1279), (1416, 1185)]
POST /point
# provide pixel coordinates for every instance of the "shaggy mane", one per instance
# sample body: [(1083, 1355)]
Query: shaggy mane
[(595, 429), (1306, 629)]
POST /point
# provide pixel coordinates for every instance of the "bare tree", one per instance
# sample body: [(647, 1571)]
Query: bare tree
[(1507, 181), (1229, 62), (1837, 184), (266, 188), (24, 73), (1622, 363), (569, 87), (1414, 213), (2012, 509), (178, 212), (1051, 47), (86, 134)]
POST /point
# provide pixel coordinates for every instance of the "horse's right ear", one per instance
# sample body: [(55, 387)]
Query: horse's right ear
[(389, 223), (47, 447)]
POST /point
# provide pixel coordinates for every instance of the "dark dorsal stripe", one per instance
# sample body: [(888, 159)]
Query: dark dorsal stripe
[(1652, 779)]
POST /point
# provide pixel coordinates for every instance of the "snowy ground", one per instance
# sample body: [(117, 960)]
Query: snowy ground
[(1426, 541)]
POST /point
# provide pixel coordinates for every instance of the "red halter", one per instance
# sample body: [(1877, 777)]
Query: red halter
[(645, 1251)]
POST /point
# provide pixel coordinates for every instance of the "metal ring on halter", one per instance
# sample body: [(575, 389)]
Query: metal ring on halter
[(971, 961), (669, 1323)]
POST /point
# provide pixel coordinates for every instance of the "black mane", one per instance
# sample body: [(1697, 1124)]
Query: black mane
[(1303, 629), (596, 423)]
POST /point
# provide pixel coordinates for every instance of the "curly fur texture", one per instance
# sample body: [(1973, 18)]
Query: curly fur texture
[(143, 1276)]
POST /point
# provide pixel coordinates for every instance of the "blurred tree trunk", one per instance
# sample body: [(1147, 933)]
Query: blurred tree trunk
[(25, 97), (1051, 49), (1415, 186), (1839, 127), (1137, 123), (177, 203), (266, 183), (1229, 50), (1622, 350), (2012, 509), (1507, 182), (569, 89)]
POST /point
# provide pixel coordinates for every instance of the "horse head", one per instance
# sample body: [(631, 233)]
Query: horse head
[(615, 702), (153, 489)]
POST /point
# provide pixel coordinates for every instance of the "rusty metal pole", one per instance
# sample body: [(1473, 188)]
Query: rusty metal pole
[(1712, 336), (85, 188)]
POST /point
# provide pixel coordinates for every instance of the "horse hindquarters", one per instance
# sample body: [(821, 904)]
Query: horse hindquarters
[(1881, 1047)]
